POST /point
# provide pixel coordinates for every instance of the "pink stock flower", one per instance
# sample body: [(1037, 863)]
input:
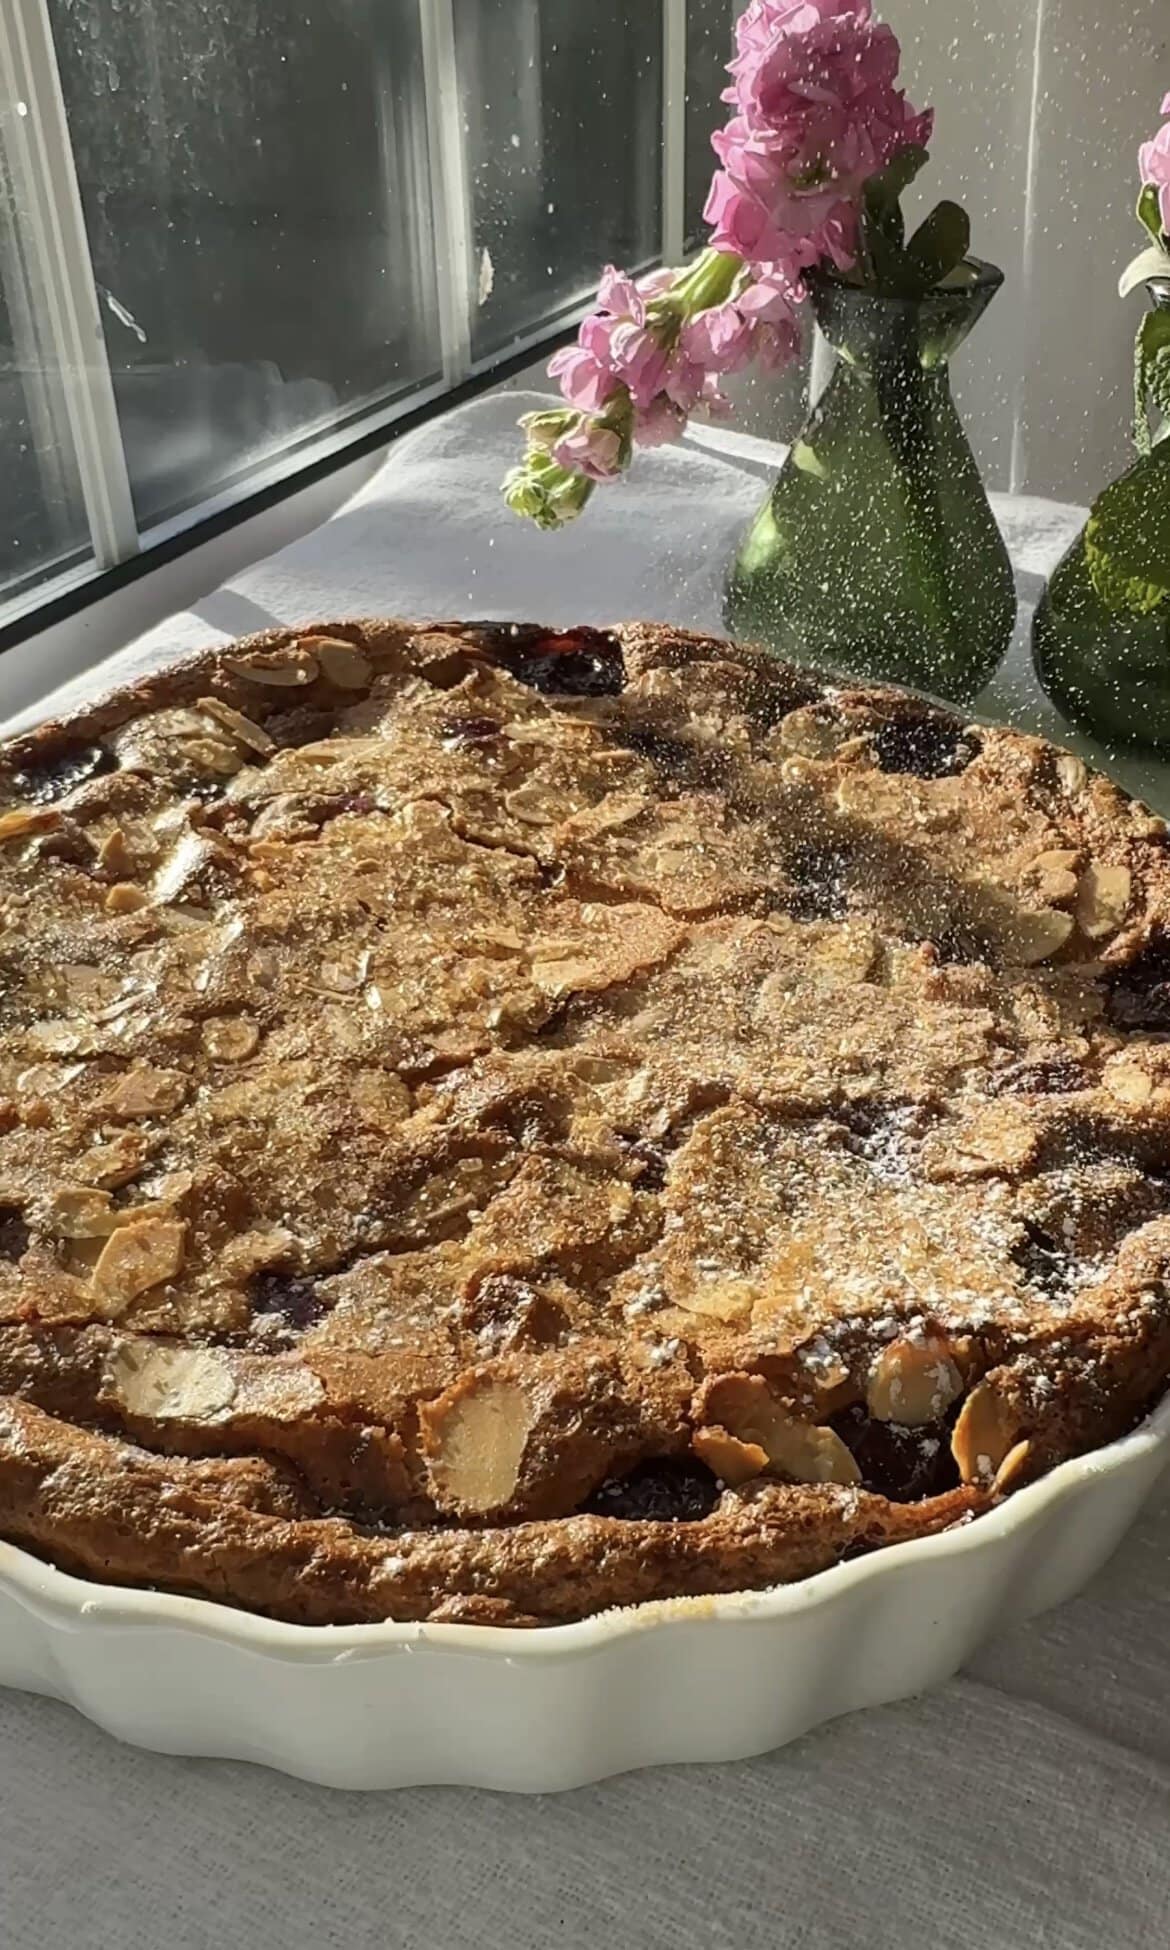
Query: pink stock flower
[(590, 449), (719, 338), (585, 382), (660, 423), (638, 359), (1154, 162)]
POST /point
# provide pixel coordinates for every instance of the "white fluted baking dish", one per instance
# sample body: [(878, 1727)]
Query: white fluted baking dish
[(378, 1706)]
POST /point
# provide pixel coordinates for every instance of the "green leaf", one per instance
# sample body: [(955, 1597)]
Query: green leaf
[(939, 244), (885, 191), (1151, 375), (1151, 263), (1127, 539), (1150, 212)]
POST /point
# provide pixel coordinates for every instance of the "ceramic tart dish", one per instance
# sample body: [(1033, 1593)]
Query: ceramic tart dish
[(567, 1198)]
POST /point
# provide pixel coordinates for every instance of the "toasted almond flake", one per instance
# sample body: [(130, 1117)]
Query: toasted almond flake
[(1071, 773), (276, 668), (1129, 1083), (137, 1257), (1103, 899), (342, 663), (230, 1039), (730, 1459), (146, 1093), (125, 898), (913, 1382), (744, 1405), (1030, 937), (79, 1212), (212, 755), (474, 1437), (810, 733), (718, 1299), (252, 736), (114, 854), (1012, 1467), (19, 823), (167, 1383), (984, 1434)]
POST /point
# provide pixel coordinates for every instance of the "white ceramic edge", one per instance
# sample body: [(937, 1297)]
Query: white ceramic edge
[(716, 1678)]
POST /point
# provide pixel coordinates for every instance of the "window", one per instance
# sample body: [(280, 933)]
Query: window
[(234, 234)]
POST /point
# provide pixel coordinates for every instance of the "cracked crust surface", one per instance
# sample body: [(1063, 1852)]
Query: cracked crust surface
[(498, 1122)]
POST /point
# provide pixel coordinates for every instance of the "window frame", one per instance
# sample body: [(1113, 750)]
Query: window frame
[(54, 244)]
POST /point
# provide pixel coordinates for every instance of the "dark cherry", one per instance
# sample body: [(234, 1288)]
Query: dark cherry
[(821, 891), (292, 1297), (904, 1465), (51, 778), (960, 943), (1045, 1263), (930, 747), (580, 662), (1047, 1077), (652, 1159), (14, 1233), (667, 1490), (1139, 995), (302, 724), (461, 732), (670, 755)]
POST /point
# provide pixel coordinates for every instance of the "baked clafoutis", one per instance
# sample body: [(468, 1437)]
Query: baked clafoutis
[(500, 1122)]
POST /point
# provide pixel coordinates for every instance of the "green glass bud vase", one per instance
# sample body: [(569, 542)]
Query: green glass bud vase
[(876, 553), (1101, 644)]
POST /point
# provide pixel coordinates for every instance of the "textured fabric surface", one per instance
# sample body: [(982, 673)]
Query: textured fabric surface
[(1026, 1804)]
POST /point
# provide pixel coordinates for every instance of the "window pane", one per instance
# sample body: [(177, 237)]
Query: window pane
[(562, 109), (254, 180), (42, 520), (708, 52)]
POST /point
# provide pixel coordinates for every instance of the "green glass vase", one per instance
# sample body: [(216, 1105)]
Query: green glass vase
[(876, 553), (1106, 666)]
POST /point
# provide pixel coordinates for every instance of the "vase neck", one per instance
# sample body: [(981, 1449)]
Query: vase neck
[(870, 329)]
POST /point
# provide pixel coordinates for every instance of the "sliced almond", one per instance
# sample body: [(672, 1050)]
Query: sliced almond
[(279, 669), (342, 663), (474, 1437), (913, 1382), (1012, 1467), (1071, 773), (112, 1164), (984, 1434), (252, 736), (114, 854), (137, 1257), (146, 1093), (165, 1383), (125, 898), (79, 1212), (1129, 1084), (230, 1039), (724, 1299), (811, 733), (745, 1406), (1034, 936), (1103, 899), (16, 825), (730, 1459)]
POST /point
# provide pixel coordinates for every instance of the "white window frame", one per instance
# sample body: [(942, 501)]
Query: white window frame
[(77, 410)]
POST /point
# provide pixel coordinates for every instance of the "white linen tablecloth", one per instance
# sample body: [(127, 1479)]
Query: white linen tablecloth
[(1026, 1804)]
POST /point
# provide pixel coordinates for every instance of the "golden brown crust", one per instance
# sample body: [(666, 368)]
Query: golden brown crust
[(498, 1122)]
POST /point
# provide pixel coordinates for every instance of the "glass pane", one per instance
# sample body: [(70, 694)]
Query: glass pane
[(562, 109), (708, 52), (42, 520), (255, 186)]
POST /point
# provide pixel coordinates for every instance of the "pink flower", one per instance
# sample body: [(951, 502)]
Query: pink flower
[(618, 294), (637, 358), (590, 449), (585, 382), (719, 338), (660, 423), (1154, 162)]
